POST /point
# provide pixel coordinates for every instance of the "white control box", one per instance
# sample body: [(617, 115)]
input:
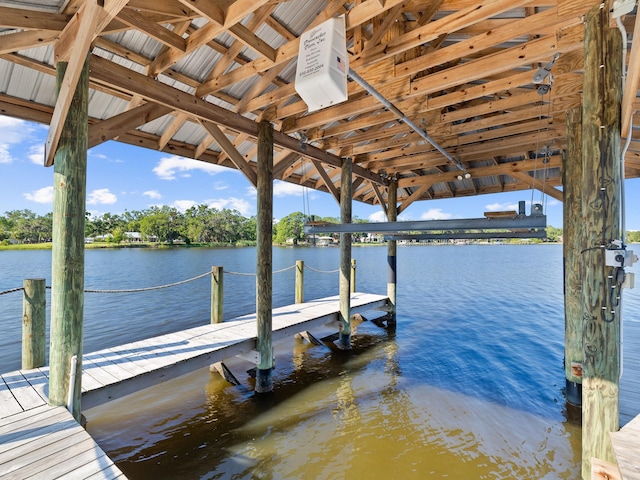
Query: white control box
[(321, 74)]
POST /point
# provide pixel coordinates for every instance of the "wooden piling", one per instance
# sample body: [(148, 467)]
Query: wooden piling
[(34, 323), (344, 336), (67, 278), (264, 288), (353, 275), (392, 216), (601, 226), (572, 222), (217, 295), (300, 281)]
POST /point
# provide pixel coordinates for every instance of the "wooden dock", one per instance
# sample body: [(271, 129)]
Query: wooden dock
[(36, 439)]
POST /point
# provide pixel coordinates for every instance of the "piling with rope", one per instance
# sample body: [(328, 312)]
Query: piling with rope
[(34, 323), (264, 287), (299, 295), (217, 293), (344, 336)]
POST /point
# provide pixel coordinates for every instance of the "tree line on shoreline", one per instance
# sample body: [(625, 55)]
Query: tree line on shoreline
[(200, 224)]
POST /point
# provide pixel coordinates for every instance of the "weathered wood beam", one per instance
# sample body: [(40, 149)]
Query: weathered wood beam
[(137, 21), (32, 20), (538, 185), (234, 155), (283, 163), (356, 16), (378, 194), (72, 47), (176, 124), (233, 14), (112, 127), (327, 180), (113, 75), (510, 168), (416, 195), (14, 42)]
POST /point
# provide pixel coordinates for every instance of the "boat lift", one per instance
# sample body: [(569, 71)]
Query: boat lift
[(509, 224)]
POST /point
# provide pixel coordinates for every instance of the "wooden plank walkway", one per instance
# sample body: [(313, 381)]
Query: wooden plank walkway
[(47, 442), (43, 441), (626, 446)]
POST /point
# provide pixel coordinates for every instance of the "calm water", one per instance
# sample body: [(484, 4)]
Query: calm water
[(469, 386)]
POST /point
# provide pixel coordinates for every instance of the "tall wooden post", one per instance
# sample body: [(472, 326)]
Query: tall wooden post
[(601, 225), (299, 281), (264, 288), (392, 216), (67, 277), (344, 337), (34, 323), (217, 294), (572, 188)]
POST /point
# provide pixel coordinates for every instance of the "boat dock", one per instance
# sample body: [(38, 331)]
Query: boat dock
[(38, 439)]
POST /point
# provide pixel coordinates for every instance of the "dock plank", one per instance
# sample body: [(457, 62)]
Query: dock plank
[(47, 442), (37, 440), (8, 403), (168, 356), (626, 447)]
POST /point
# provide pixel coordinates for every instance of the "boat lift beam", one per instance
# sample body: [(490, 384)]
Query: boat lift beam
[(468, 235), (517, 222)]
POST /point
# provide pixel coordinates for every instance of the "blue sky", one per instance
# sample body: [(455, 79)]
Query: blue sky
[(122, 177)]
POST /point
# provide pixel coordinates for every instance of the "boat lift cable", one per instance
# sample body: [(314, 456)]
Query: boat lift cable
[(392, 108)]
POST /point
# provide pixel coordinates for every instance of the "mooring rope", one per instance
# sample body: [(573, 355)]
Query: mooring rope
[(321, 271), (239, 273), (146, 289), (12, 290), (253, 274)]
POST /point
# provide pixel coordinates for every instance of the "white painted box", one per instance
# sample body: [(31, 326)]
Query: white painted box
[(321, 74)]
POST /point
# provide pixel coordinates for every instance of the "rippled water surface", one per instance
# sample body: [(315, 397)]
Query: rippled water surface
[(468, 386)]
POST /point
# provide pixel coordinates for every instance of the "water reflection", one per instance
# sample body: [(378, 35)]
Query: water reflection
[(333, 415)]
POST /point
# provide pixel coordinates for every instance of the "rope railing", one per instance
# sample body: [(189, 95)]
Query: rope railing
[(159, 287), (12, 290), (34, 321), (146, 289), (321, 271)]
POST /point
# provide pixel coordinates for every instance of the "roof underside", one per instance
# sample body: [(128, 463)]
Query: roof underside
[(192, 77)]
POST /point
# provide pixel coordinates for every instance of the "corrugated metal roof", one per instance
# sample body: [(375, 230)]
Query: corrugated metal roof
[(28, 74)]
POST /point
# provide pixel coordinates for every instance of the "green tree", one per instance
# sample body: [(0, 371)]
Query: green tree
[(166, 223), (553, 234), (290, 227)]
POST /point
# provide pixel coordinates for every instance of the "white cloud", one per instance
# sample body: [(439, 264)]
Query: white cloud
[(36, 154), (5, 156), (378, 216), (101, 196), (42, 195), (499, 207), (14, 131), (220, 186), (286, 189), (184, 205), (232, 203), (435, 214), (169, 167), (153, 194), (91, 153)]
